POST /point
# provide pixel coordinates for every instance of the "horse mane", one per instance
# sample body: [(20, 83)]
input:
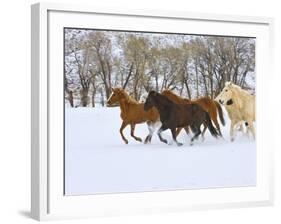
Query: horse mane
[(168, 92), (174, 97), (164, 99), (238, 89), (127, 97), (240, 95)]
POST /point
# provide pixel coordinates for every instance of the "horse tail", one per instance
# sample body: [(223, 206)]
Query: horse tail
[(210, 126), (220, 113)]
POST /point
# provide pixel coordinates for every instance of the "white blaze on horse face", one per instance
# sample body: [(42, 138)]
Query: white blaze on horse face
[(110, 98), (143, 98)]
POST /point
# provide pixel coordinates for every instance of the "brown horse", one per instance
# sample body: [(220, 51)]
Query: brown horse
[(209, 105), (173, 116), (133, 113)]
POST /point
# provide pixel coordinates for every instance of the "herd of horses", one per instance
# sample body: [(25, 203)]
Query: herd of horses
[(177, 113)]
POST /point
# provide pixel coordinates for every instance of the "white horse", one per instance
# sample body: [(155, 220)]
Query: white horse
[(240, 106)]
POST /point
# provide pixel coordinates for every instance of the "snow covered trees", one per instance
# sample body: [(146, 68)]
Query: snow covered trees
[(191, 65)]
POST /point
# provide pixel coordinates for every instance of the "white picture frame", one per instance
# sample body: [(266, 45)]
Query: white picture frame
[(47, 199)]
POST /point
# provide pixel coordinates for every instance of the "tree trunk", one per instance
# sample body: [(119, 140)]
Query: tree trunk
[(136, 82), (128, 76), (84, 97), (205, 84), (70, 98), (187, 88), (197, 81), (93, 98), (212, 86), (181, 88), (156, 82), (102, 98), (107, 90)]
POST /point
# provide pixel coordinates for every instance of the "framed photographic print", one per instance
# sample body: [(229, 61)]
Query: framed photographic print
[(148, 111)]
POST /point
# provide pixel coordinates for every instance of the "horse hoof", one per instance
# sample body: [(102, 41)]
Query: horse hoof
[(126, 142), (139, 139), (232, 139), (191, 143), (179, 144), (147, 140)]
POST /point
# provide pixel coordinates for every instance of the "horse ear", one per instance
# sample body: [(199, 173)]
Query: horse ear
[(228, 83)]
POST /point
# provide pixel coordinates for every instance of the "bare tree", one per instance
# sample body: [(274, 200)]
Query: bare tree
[(101, 46), (193, 66)]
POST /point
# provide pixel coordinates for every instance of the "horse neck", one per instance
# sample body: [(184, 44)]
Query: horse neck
[(125, 103), (176, 98), (180, 100), (172, 97), (162, 102), (241, 97), (240, 92), (128, 99), (244, 93)]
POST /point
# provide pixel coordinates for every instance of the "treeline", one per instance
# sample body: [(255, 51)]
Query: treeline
[(190, 65)]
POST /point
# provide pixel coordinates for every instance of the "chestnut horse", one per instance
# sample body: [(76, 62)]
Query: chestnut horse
[(133, 113), (173, 116), (209, 105)]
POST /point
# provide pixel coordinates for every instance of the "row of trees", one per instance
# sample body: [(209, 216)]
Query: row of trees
[(193, 66)]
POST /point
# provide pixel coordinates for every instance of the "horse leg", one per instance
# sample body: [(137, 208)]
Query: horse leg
[(240, 128), (163, 128), (178, 131), (232, 131), (174, 134), (215, 120), (203, 132), (124, 124), (132, 133), (247, 130), (196, 135), (151, 129), (252, 129)]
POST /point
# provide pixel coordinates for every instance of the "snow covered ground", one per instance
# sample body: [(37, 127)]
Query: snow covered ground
[(98, 161)]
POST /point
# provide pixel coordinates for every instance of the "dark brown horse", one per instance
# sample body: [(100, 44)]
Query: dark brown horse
[(132, 113), (209, 105), (175, 116)]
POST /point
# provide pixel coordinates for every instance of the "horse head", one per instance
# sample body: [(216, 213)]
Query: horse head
[(150, 102), (227, 94), (116, 94)]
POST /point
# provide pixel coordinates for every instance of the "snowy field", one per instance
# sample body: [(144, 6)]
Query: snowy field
[(98, 161)]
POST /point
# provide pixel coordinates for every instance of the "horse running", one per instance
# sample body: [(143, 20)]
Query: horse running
[(209, 105), (175, 116), (240, 106), (133, 113)]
